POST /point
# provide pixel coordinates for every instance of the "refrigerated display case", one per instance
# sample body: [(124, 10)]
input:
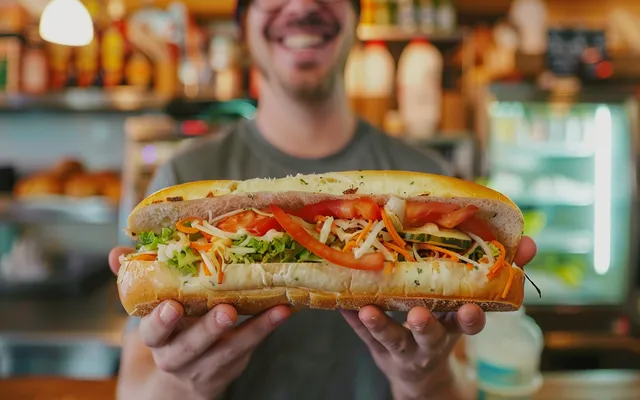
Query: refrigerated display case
[(569, 161), (570, 166)]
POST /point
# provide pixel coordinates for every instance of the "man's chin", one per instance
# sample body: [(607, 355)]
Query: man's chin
[(309, 90)]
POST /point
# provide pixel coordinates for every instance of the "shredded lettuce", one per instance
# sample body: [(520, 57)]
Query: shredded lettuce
[(280, 250), (150, 241), (478, 253), (185, 261)]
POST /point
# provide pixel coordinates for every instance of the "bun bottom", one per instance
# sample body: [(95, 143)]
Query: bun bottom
[(440, 286)]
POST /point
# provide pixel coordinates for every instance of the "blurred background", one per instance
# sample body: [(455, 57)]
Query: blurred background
[(537, 99)]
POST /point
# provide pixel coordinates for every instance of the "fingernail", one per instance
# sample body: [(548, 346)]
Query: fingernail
[(168, 314), (470, 317), (223, 318), (419, 326), (277, 317), (370, 322)]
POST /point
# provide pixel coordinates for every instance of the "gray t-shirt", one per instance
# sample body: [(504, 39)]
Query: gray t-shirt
[(315, 354)]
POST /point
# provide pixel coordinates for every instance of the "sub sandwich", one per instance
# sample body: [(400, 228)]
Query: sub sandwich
[(327, 241)]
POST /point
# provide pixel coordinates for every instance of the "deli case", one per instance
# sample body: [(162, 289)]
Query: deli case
[(568, 160)]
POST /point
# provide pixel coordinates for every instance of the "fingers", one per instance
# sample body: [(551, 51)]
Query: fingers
[(256, 329), (191, 343), (525, 251), (114, 255), (427, 331), (362, 331), (468, 320), (390, 334), (156, 328)]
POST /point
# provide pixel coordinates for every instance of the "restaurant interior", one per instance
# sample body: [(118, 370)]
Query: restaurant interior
[(519, 95)]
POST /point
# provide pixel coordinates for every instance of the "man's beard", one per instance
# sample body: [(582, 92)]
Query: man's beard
[(310, 93)]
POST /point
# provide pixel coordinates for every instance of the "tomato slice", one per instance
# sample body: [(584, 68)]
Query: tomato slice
[(478, 227), (419, 213), (254, 223), (370, 261), (453, 219), (363, 208), (262, 225)]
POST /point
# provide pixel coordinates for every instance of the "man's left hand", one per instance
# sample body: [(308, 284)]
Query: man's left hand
[(414, 357)]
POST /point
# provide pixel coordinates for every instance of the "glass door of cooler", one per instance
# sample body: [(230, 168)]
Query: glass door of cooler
[(570, 170)]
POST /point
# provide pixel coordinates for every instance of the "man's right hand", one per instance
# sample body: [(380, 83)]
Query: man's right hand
[(209, 352)]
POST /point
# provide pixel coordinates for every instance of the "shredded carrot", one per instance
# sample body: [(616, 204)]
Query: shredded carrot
[(501, 256), (388, 268), (201, 246), (206, 235), (220, 276), (469, 266), (205, 269), (350, 245), (187, 229), (507, 288), (400, 250), (320, 218), (452, 254), (145, 257), (392, 230), (364, 232)]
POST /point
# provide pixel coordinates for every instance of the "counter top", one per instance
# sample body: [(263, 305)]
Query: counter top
[(583, 385), (95, 317)]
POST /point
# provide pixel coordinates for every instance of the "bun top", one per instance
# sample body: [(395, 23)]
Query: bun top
[(392, 183)]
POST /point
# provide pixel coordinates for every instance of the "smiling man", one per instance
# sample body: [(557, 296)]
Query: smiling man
[(303, 125)]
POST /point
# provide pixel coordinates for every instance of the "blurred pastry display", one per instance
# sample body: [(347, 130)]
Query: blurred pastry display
[(70, 178)]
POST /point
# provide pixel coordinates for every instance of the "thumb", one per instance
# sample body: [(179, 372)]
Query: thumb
[(114, 256)]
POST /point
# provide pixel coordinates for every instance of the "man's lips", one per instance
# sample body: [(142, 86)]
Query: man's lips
[(307, 37)]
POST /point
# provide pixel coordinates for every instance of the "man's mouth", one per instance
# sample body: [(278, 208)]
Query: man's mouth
[(303, 41)]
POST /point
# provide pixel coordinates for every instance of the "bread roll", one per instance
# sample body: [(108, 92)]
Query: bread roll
[(441, 283)]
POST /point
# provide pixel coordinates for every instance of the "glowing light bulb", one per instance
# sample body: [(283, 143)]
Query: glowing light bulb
[(66, 22)]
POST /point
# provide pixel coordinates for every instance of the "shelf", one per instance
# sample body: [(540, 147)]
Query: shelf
[(542, 150), (447, 139), (530, 201), (564, 241), (396, 34), (54, 209), (85, 100)]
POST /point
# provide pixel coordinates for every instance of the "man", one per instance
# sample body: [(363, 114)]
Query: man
[(303, 125)]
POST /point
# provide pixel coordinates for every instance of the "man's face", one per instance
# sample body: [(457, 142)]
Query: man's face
[(301, 45)]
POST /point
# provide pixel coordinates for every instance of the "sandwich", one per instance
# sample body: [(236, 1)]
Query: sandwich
[(339, 240)]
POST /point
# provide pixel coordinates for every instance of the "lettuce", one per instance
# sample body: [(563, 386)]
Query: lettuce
[(478, 253), (281, 250), (185, 261), (150, 241)]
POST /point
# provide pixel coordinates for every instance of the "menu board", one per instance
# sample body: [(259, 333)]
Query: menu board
[(578, 52)]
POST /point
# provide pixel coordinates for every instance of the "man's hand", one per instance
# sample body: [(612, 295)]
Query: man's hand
[(205, 353), (414, 357)]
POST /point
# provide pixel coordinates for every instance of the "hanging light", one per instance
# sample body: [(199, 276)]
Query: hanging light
[(66, 22)]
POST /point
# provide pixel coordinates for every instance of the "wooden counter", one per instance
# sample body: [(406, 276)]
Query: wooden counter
[(588, 385), (42, 388)]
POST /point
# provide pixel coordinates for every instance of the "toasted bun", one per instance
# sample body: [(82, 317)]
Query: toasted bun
[(438, 285)]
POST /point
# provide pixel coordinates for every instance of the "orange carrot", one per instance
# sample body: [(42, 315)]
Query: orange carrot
[(364, 232), (450, 253), (145, 257), (400, 250), (392, 230), (187, 229)]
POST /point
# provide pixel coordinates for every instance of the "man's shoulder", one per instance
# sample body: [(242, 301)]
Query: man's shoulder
[(211, 145), (408, 157)]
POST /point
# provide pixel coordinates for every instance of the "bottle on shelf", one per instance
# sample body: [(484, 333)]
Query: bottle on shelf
[(427, 13), (406, 15), (87, 58), (419, 85), (35, 69), (379, 72), (355, 81), (113, 49), (446, 16)]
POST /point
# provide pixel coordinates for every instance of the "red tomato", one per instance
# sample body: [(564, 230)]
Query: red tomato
[(344, 209), (419, 213), (478, 227), (263, 224), (455, 218), (254, 223), (370, 261)]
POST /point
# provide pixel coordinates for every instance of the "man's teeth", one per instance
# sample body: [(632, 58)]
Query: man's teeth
[(302, 41)]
